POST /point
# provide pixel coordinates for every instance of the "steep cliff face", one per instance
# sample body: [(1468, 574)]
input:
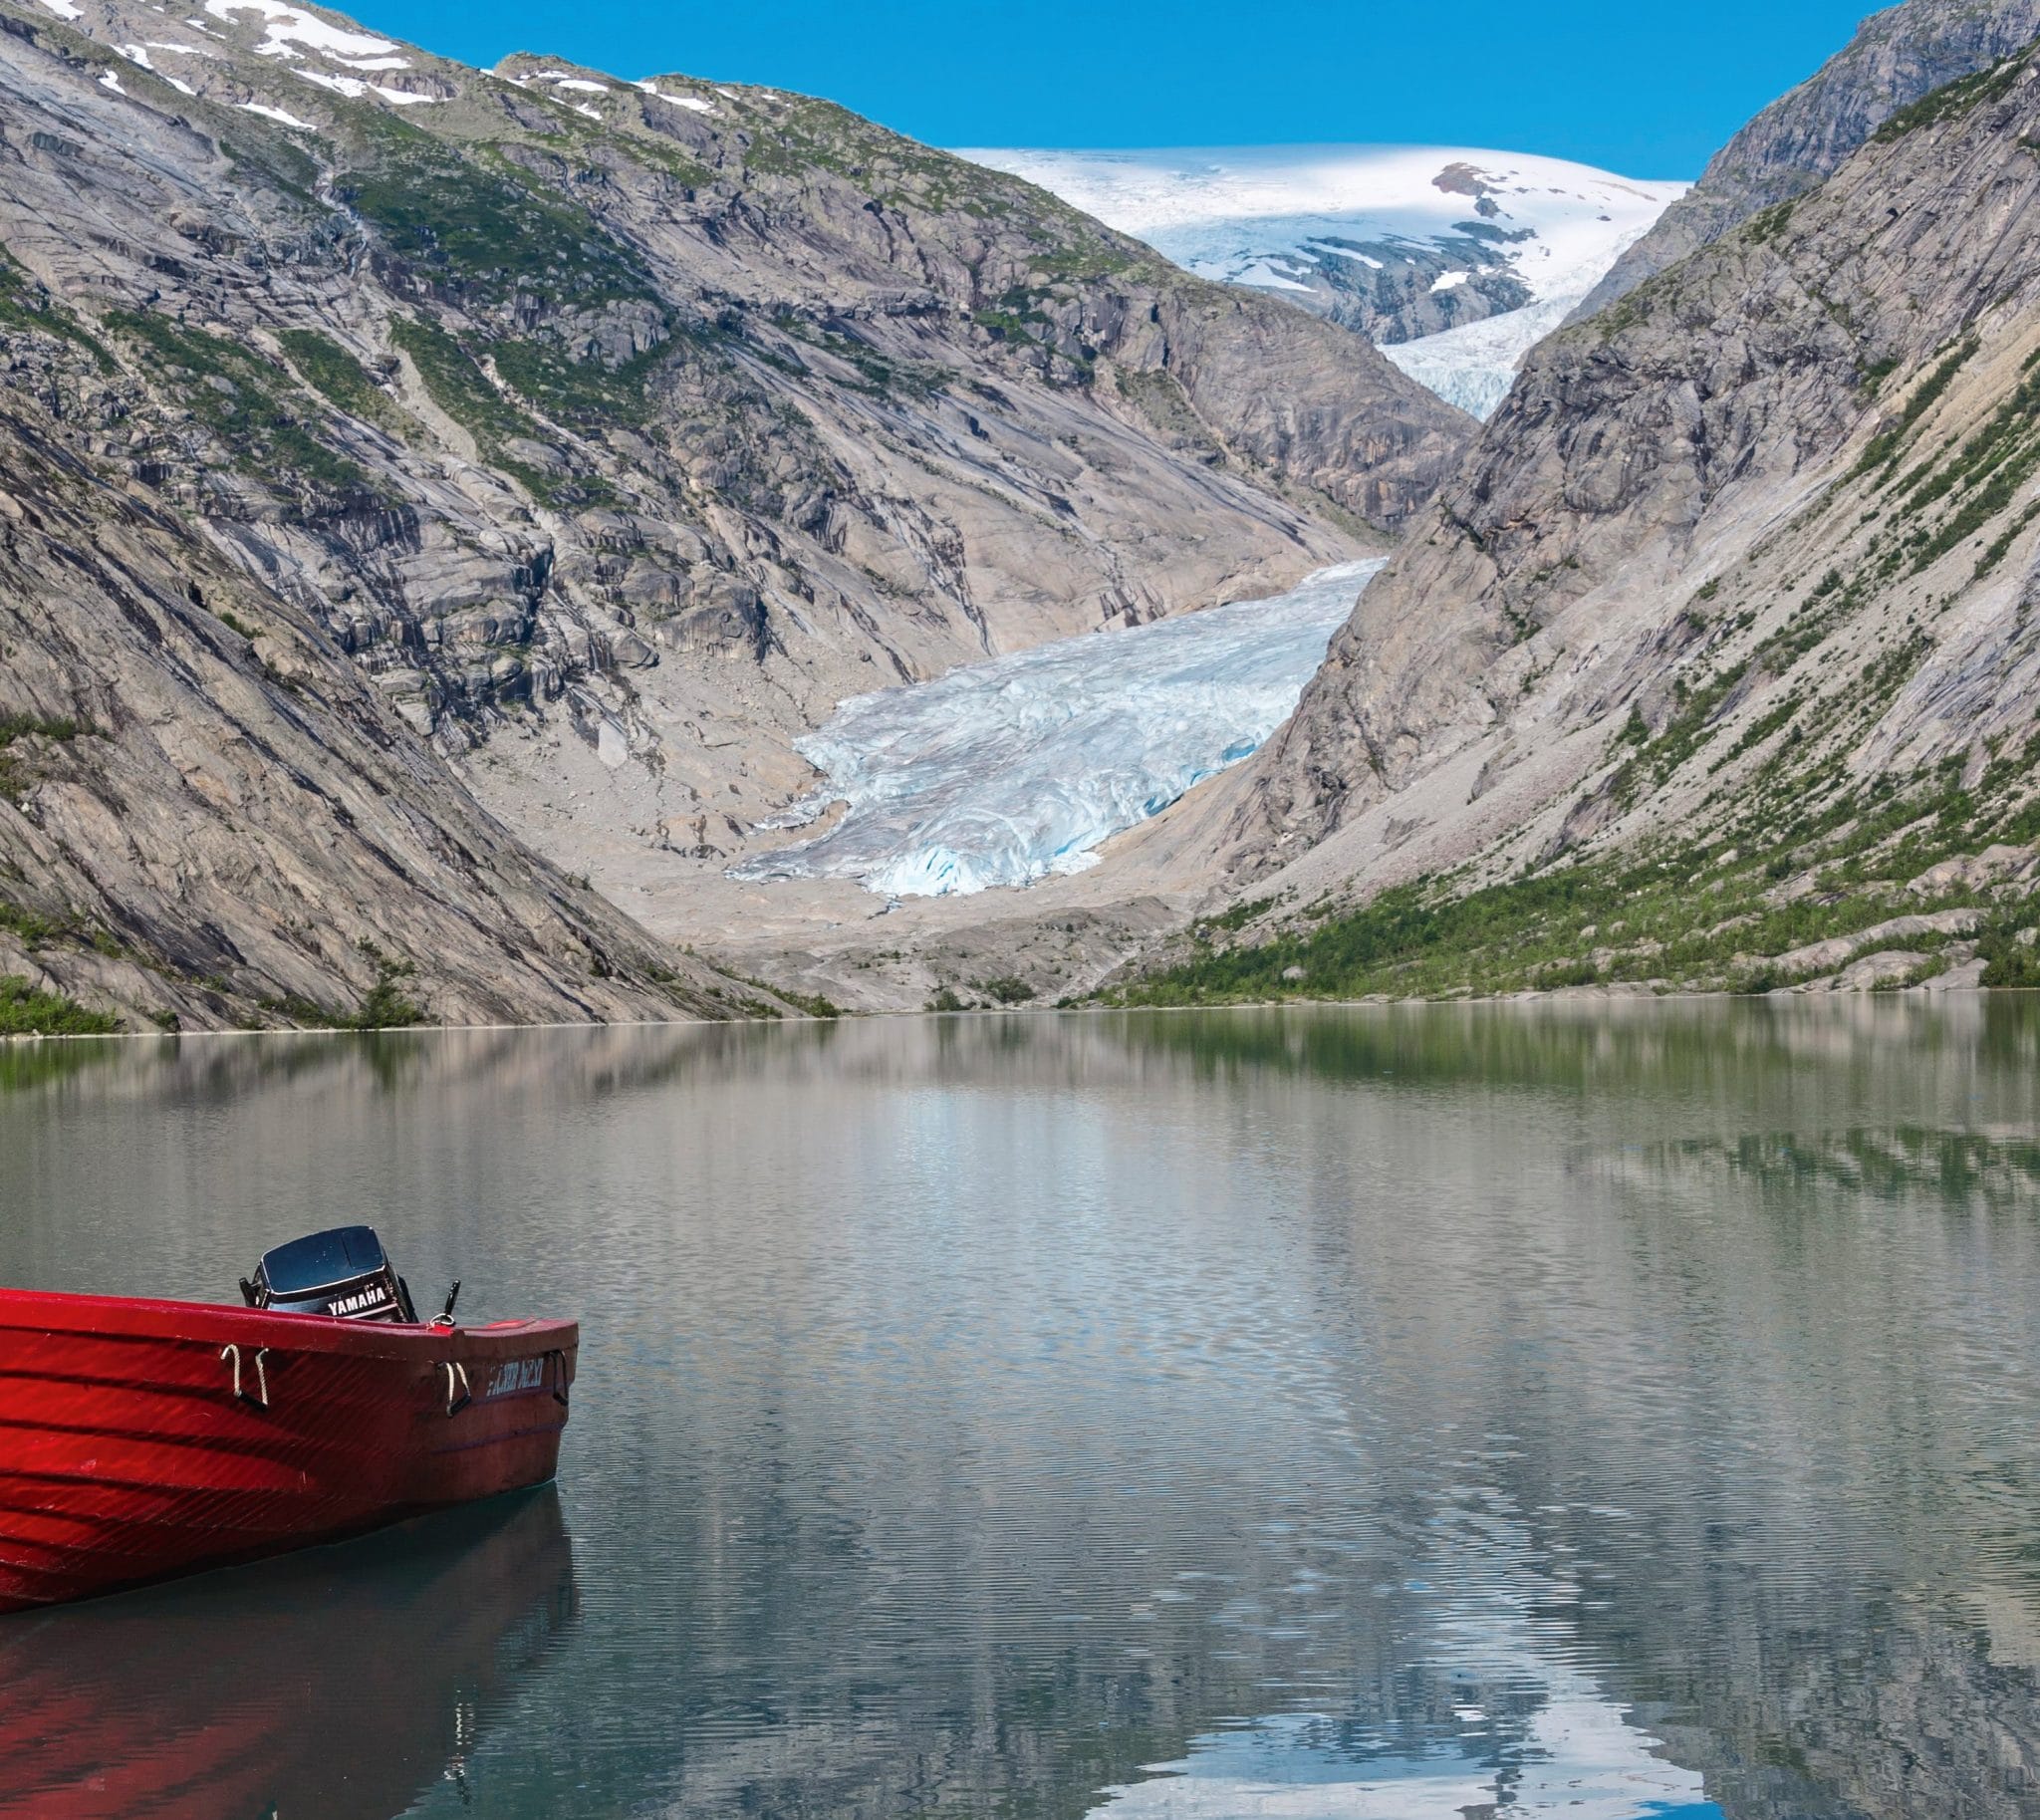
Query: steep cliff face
[(613, 432), (1897, 57), (209, 817), (1724, 634)]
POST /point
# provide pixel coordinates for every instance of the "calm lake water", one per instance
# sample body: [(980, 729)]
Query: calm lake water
[(1431, 1413)]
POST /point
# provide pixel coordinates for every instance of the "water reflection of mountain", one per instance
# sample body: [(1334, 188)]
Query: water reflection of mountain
[(337, 1684), (1744, 1051), (1444, 1401)]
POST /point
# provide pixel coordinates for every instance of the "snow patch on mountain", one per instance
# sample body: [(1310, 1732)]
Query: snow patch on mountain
[(1003, 772), (1416, 247), (290, 27), (282, 116)]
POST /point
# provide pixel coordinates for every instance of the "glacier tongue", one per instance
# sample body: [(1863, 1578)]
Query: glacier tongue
[(1474, 366), (1004, 772)]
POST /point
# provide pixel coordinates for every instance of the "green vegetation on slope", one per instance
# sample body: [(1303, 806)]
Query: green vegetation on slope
[(458, 385), (24, 304), (808, 135), (584, 391), (384, 1006), (26, 1011), (798, 136), (524, 259), (1709, 917), (1953, 99), (345, 382), (247, 401), (465, 392), (15, 727), (483, 227), (1982, 478), (1883, 450), (271, 158)]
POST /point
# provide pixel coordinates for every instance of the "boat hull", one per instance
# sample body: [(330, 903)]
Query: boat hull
[(141, 1441)]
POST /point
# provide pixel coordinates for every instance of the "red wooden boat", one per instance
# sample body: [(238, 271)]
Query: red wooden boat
[(144, 1439)]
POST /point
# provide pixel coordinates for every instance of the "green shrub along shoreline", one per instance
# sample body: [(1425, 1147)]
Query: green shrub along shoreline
[(26, 1010)]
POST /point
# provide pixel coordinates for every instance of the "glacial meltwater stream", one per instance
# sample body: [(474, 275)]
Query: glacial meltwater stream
[(1581, 1412)]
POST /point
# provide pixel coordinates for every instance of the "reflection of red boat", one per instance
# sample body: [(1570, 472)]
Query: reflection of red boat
[(337, 1684), (142, 1440)]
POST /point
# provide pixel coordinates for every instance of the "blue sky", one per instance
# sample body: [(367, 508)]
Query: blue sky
[(1645, 87)]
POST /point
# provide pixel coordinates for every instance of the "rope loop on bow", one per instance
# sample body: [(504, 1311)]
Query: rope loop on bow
[(231, 1355)]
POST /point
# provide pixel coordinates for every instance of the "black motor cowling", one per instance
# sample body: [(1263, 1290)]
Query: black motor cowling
[(343, 1272)]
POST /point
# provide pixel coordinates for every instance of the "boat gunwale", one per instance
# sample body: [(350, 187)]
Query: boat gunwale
[(145, 1320)]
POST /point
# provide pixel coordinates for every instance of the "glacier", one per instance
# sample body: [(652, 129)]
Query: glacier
[(1474, 366), (1302, 221), (1001, 773)]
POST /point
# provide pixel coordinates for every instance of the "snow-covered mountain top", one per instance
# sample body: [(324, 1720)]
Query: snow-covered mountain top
[(1401, 243), (1256, 215)]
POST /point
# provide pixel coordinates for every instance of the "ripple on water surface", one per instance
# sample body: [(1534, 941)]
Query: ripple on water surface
[(1600, 1410)]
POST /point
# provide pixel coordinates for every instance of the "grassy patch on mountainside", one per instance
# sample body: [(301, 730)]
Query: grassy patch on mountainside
[(24, 304), (1883, 450), (584, 391), (793, 136), (384, 1006), (458, 385), (481, 227), (16, 772), (520, 255), (808, 135), (250, 405), (344, 381), (1974, 485), (465, 394), (1952, 99), (270, 159)]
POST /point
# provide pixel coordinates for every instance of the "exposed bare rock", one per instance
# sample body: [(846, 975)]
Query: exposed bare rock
[(1822, 956), (1996, 865), (1963, 975), (1670, 484), (1897, 56), (209, 828)]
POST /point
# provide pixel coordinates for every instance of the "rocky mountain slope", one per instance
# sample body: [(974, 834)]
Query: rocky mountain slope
[(1897, 56), (1716, 665), (591, 438), (209, 817)]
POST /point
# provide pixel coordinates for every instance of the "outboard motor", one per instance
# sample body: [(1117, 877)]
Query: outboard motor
[(344, 1273)]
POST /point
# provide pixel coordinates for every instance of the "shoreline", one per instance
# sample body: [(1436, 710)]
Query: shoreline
[(1561, 995)]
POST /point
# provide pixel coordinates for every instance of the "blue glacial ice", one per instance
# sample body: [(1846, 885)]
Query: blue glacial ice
[(1004, 772)]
